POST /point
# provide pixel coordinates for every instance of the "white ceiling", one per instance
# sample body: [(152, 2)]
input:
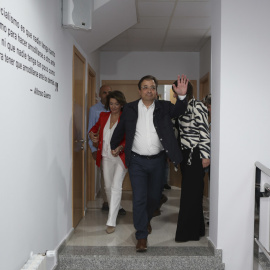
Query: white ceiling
[(147, 25), (165, 25), (105, 26)]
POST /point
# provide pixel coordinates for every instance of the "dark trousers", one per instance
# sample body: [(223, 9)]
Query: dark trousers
[(190, 225), (147, 181)]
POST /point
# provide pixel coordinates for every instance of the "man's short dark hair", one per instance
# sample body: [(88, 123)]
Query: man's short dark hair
[(148, 78), (118, 95)]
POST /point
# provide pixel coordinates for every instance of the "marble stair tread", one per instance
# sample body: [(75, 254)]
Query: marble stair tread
[(126, 258), (124, 251)]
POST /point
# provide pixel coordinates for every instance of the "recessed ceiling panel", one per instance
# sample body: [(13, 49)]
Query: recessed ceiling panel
[(192, 9), (152, 22), (186, 33), (155, 9), (146, 34), (190, 23)]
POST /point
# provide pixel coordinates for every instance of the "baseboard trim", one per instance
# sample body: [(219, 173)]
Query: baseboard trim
[(216, 252), (61, 246), (63, 243)]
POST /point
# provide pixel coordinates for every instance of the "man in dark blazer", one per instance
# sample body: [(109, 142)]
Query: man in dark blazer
[(147, 125)]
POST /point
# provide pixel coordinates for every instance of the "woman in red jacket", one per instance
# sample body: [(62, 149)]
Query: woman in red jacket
[(114, 167)]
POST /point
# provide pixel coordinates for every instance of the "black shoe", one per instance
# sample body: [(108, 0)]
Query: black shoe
[(166, 186), (122, 212), (105, 206), (163, 199), (181, 241), (156, 213)]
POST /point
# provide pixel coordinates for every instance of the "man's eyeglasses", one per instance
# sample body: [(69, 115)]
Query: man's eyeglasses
[(152, 87)]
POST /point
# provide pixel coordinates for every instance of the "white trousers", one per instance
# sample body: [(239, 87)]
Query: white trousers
[(114, 173), (102, 186)]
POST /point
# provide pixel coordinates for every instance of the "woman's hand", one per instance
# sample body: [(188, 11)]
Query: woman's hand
[(117, 150), (205, 162), (182, 84), (94, 137)]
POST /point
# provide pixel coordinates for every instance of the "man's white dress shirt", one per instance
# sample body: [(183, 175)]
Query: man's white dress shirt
[(146, 141)]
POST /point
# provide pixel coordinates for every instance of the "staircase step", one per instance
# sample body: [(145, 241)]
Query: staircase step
[(126, 258)]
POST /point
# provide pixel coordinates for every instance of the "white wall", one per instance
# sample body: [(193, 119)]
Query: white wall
[(134, 65), (240, 117), (36, 149)]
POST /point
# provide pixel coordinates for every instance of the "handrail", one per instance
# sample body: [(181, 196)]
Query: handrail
[(262, 168), (259, 194), (262, 248), (267, 187)]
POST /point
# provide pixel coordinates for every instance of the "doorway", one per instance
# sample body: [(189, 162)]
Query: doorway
[(204, 91)]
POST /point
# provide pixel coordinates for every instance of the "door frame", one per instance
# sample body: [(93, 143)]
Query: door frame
[(91, 167), (205, 90), (204, 85), (77, 53)]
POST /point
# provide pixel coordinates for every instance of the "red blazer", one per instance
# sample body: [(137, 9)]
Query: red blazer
[(99, 126)]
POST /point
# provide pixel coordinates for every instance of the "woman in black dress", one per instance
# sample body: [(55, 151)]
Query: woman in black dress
[(195, 144)]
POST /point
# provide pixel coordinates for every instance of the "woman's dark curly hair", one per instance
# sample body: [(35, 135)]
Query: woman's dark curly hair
[(118, 95)]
